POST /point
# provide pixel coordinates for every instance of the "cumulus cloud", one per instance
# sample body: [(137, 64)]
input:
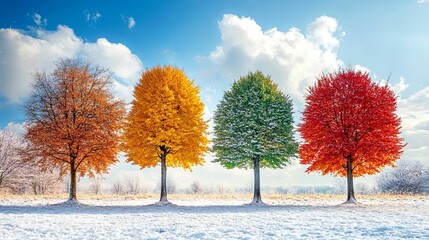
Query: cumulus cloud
[(21, 54), (361, 69), (119, 57), (422, 1), (18, 128), (321, 32), (400, 87), (293, 59), (414, 114)]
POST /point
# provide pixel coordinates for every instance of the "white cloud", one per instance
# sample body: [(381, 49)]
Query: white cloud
[(92, 17), (117, 56), (321, 32), (414, 114), (422, 1), (361, 69), (39, 21), (22, 54), (17, 128), (292, 58), (414, 111), (131, 22), (400, 87)]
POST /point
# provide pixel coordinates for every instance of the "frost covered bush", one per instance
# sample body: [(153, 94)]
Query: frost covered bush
[(408, 177), (18, 175), (118, 187), (11, 165), (195, 188), (44, 182)]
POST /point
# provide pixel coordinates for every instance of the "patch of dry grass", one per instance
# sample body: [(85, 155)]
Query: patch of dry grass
[(225, 196)]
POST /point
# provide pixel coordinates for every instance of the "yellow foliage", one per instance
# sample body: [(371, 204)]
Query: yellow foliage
[(166, 112)]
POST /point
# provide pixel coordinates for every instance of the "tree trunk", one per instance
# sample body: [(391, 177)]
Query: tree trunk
[(350, 189), (72, 192), (163, 198), (257, 182), (1, 179)]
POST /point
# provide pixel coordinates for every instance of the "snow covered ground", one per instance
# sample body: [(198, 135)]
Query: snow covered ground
[(287, 217)]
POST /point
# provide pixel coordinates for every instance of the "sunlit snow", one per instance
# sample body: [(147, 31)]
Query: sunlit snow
[(284, 218)]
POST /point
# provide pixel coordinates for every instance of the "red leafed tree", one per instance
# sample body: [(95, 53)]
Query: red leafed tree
[(349, 127)]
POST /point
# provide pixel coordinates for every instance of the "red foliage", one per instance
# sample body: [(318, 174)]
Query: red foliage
[(349, 116)]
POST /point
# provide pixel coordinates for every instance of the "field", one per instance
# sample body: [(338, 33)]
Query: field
[(215, 217)]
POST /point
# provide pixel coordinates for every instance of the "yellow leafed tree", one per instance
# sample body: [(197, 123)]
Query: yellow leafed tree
[(166, 119)]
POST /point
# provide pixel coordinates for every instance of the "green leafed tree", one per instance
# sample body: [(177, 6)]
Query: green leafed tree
[(253, 127)]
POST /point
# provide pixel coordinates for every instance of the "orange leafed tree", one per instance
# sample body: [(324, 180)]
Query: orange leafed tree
[(349, 127), (74, 120), (166, 119)]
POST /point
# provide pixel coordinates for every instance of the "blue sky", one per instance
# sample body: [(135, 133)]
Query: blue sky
[(217, 41)]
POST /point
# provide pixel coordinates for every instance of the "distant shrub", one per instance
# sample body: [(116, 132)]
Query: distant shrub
[(195, 188), (407, 178)]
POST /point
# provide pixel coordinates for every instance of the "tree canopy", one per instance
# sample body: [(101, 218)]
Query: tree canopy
[(254, 118), (166, 113)]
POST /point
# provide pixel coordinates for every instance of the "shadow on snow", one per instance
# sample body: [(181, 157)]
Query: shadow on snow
[(151, 208)]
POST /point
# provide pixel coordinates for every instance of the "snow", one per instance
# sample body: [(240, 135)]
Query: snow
[(296, 217)]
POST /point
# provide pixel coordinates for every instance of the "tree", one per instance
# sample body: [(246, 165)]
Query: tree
[(74, 120), (133, 184), (118, 187), (166, 120), (20, 176), (171, 186), (340, 185), (349, 127), (12, 166), (409, 177), (195, 188), (96, 184), (43, 181), (254, 127)]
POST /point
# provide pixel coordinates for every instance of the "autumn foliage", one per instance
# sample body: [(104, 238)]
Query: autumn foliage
[(349, 123), (74, 120), (166, 118)]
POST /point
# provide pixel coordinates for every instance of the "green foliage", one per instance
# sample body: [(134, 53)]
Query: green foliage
[(254, 120)]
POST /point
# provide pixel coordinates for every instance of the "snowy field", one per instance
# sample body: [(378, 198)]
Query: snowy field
[(216, 217)]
